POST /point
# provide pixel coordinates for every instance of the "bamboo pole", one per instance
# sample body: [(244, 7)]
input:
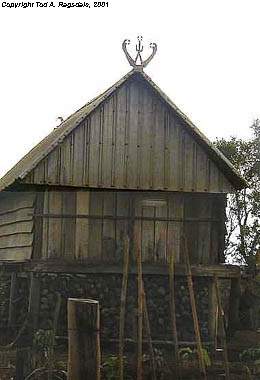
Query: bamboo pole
[(173, 312), (148, 330), (194, 310), (123, 308), (140, 309), (223, 333), (84, 341)]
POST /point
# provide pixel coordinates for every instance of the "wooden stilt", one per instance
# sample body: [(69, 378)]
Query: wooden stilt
[(139, 308), (222, 328), (148, 330), (84, 340), (123, 308), (194, 311), (173, 312)]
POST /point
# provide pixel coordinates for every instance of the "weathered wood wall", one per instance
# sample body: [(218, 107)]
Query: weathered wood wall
[(133, 140), (90, 225), (16, 225)]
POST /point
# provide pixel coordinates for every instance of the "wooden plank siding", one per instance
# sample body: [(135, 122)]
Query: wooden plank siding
[(16, 225), (90, 225), (132, 140)]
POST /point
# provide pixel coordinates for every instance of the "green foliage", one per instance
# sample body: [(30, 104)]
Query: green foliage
[(44, 341), (250, 355), (110, 367), (243, 211), (188, 355)]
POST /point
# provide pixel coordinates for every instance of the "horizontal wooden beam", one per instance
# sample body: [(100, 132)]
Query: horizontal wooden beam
[(54, 266), (114, 217)]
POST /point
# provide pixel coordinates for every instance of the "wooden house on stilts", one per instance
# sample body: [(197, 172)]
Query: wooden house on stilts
[(127, 161)]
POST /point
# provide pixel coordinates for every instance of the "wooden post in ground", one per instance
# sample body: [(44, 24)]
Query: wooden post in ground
[(173, 312), (84, 339), (194, 311), (149, 336), (222, 328), (123, 308), (139, 375)]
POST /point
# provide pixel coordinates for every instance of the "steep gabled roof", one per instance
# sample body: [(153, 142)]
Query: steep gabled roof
[(41, 150)]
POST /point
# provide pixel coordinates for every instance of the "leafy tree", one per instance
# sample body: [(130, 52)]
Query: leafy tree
[(243, 207)]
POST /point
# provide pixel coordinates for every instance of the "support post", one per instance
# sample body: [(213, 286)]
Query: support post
[(84, 339), (139, 374), (123, 308), (222, 329), (194, 311)]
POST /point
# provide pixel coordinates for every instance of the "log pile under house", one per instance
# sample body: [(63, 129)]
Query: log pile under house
[(127, 166)]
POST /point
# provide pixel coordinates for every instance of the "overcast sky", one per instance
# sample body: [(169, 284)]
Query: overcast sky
[(53, 60)]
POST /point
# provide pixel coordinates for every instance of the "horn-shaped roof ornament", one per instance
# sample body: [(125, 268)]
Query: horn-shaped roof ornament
[(138, 63)]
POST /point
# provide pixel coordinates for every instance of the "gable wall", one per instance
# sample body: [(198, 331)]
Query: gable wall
[(132, 141)]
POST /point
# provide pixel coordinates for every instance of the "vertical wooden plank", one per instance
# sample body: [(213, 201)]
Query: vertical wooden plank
[(166, 149), (145, 142), (133, 131), (38, 226), (148, 236), (214, 178), (113, 153), (82, 225), (142, 209), (39, 174), (45, 226), (55, 207), (96, 225), (107, 142), (52, 167), (159, 147), (201, 170), (123, 200), (188, 160), (120, 137), (204, 228), (87, 129), (215, 233), (139, 135), (175, 229), (173, 153), (191, 228), (69, 224), (78, 157), (108, 231), (161, 211), (100, 145), (181, 157), (127, 134), (94, 148), (65, 167)]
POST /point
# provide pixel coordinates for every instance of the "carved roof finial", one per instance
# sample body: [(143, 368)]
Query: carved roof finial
[(138, 62)]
